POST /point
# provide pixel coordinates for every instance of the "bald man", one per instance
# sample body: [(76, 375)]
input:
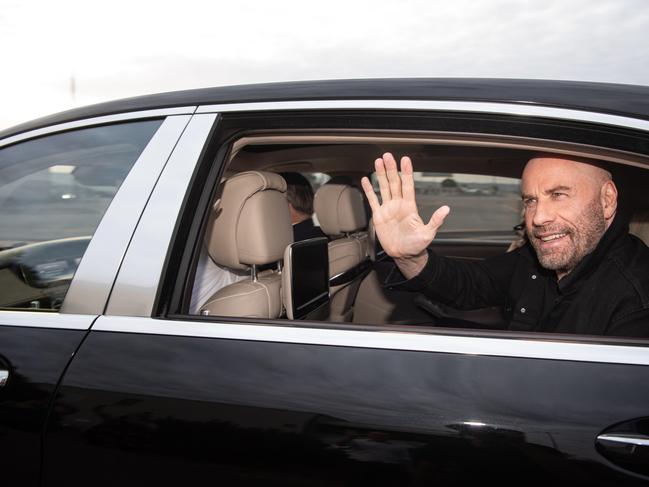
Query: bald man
[(580, 271)]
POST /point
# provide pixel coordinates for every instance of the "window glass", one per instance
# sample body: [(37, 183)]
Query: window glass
[(479, 203), (53, 192), (316, 179)]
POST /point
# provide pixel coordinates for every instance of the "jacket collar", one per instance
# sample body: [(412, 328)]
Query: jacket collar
[(615, 232)]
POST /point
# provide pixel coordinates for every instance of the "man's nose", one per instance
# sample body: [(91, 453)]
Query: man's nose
[(543, 213)]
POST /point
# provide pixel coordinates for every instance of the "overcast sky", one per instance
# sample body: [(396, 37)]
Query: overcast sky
[(124, 48)]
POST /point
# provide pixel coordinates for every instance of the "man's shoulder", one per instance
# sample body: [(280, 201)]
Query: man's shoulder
[(306, 229), (631, 259), (631, 254)]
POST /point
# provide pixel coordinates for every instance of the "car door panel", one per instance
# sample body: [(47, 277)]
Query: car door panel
[(261, 412), (34, 357)]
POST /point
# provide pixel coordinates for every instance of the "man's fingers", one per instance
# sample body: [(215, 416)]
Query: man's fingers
[(370, 194), (392, 172), (438, 217), (408, 183), (381, 177)]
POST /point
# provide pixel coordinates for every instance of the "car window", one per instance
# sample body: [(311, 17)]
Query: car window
[(480, 204), (485, 210), (316, 179), (480, 184), (54, 190)]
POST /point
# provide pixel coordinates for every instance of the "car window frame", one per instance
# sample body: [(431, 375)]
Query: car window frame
[(249, 120)]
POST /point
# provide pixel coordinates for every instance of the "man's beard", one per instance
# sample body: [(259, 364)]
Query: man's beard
[(583, 237)]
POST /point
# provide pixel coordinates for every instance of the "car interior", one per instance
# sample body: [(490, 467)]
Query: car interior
[(249, 229)]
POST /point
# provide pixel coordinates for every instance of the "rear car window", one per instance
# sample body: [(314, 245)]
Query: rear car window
[(54, 190)]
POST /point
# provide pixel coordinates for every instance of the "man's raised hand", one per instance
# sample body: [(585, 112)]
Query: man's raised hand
[(401, 231)]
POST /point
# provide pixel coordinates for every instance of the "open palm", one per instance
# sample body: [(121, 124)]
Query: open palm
[(401, 231)]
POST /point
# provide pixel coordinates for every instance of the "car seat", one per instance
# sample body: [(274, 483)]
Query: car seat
[(250, 227)]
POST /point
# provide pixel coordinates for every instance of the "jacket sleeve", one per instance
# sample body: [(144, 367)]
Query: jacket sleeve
[(461, 284)]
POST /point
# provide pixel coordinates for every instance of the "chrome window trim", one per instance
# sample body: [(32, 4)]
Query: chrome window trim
[(137, 281), (94, 278), (89, 122), (384, 340), (46, 319), (452, 106)]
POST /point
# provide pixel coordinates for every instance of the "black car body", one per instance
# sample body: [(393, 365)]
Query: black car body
[(110, 380)]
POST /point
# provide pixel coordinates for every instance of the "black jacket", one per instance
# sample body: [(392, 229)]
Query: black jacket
[(606, 294), (305, 230)]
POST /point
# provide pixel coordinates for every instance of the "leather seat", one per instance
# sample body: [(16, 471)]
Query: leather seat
[(250, 227), (341, 213)]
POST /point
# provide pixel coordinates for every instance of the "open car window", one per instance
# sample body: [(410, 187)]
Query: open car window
[(483, 206), (481, 184)]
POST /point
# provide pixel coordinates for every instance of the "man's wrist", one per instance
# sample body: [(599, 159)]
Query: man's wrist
[(412, 266)]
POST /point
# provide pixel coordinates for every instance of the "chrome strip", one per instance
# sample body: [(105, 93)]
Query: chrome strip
[(96, 273), (137, 282), (45, 319), (386, 340), (627, 440), (453, 106), (89, 122)]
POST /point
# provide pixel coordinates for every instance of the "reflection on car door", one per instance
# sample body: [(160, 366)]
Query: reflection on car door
[(171, 401)]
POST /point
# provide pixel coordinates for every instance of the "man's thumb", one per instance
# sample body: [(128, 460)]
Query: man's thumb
[(438, 217)]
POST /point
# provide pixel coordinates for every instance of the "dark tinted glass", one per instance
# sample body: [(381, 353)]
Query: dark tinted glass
[(54, 190)]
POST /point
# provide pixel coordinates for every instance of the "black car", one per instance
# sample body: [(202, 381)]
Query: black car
[(123, 361)]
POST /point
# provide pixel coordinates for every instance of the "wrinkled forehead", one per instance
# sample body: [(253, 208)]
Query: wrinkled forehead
[(542, 173)]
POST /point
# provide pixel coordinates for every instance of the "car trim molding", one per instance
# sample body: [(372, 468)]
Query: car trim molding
[(89, 122), (137, 282), (450, 106), (45, 319), (386, 340)]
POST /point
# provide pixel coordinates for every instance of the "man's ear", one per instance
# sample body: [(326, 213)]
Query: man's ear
[(609, 199)]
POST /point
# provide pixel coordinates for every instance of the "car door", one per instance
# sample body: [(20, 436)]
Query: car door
[(160, 397), (70, 196)]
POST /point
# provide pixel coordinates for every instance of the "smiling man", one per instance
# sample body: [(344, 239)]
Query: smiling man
[(580, 272), (569, 205)]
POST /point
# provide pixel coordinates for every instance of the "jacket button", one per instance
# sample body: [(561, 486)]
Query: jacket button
[(523, 310), (533, 276)]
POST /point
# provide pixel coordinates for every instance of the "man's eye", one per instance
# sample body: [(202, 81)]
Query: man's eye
[(528, 202), (558, 194)]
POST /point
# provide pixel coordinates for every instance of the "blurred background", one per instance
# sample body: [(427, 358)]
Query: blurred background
[(62, 54)]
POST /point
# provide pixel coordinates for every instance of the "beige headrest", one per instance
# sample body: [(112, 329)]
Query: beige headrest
[(339, 209), (250, 224)]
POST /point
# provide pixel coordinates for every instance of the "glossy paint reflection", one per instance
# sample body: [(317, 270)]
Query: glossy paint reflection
[(35, 359), (258, 413)]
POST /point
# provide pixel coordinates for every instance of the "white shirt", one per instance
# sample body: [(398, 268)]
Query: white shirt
[(210, 277)]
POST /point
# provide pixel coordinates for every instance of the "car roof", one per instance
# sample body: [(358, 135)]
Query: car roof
[(617, 99)]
